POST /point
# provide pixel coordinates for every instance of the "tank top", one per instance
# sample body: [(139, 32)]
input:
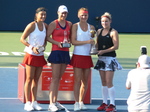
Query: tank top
[(105, 42), (36, 38), (82, 36), (58, 35)]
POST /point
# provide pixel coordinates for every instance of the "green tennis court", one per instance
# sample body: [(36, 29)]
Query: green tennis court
[(11, 49)]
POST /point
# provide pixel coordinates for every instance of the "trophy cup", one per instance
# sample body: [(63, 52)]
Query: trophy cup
[(93, 50), (40, 49), (65, 43)]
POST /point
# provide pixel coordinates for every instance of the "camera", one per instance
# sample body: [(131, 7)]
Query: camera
[(143, 50)]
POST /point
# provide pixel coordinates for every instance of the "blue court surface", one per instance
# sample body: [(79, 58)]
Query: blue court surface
[(10, 103)]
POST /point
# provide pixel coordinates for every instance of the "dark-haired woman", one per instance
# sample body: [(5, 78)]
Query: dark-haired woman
[(34, 57)]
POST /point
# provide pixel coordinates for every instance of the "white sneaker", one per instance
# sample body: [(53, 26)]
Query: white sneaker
[(52, 108), (82, 106), (28, 106), (36, 106), (59, 106), (76, 106)]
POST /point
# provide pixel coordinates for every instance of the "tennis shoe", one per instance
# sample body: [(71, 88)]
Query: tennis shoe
[(111, 108), (76, 106), (102, 107), (28, 106), (52, 108), (36, 106), (82, 106)]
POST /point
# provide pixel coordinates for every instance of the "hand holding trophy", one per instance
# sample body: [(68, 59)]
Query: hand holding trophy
[(65, 42), (93, 47), (40, 49), (38, 46)]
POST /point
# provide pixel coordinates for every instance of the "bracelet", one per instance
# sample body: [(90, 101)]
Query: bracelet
[(31, 47)]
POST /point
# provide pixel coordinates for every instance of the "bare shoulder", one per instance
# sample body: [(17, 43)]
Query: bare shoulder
[(75, 25), (70, 23), (46, 26), (92, 27), (98, 31), (31, 26), (52, 24), (113, 31)]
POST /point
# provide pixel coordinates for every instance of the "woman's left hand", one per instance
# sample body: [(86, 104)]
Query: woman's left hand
[(35, 50)]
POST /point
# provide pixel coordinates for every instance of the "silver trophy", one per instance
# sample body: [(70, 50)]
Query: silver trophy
[(40, 49), (93, 50), (65, 42)]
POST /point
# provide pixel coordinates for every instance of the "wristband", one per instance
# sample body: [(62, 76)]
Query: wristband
[(31, 47)]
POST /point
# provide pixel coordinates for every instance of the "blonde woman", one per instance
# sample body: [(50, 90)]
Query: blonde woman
[(107, 42), (81, 59)]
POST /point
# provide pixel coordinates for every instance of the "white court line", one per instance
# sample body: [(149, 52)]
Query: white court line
[(8, 98), (108, 98), (9, 67)]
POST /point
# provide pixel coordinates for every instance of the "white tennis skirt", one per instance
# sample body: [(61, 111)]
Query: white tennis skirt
[(106, 63)]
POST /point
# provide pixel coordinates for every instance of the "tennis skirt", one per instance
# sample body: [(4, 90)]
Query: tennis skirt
[(37, 61), (59, 57), (81, 61), (106, 63)]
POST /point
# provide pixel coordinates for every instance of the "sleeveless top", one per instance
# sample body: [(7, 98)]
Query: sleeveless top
[(36, 38), (58, 35), (105, 42), (82, 36)]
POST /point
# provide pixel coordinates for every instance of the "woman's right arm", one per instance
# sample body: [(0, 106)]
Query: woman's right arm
[(97, 34), (29, 28)]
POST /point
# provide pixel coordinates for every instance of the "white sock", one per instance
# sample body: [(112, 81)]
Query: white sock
[(105, 94), (111, 92)]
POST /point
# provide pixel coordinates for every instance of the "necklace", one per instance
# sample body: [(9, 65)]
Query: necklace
[(83, 26)]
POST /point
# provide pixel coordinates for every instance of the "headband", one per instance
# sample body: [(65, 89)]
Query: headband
[(84, 11), (106, 17), (40, 10)]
